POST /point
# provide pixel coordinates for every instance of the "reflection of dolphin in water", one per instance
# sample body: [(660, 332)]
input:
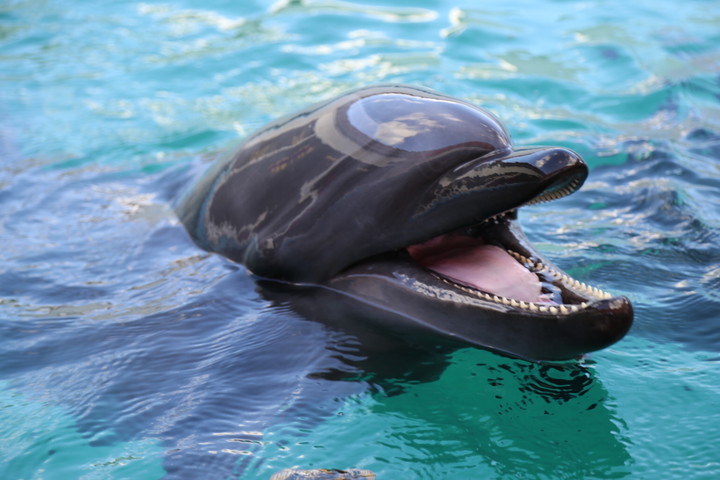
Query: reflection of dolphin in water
[(399, 206), (549, 420), (522, 419)]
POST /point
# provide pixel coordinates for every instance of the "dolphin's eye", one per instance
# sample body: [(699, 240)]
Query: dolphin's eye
[(419, 124)]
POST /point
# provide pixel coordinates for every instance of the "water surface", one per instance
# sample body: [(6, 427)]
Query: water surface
[(128, 352)]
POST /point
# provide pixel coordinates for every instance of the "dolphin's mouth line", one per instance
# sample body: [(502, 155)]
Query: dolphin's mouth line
[(486, 263), (495, 262)]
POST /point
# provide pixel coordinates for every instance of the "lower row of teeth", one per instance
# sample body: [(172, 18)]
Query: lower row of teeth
[(539, 267), (531, 306)]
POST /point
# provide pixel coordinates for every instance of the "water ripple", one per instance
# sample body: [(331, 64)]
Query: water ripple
[(128, 351), (385, 13)]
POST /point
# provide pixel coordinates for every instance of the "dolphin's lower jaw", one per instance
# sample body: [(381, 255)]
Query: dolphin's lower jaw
[(571, 320)]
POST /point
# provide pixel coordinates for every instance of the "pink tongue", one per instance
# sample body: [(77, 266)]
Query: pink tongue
[(485, 267)]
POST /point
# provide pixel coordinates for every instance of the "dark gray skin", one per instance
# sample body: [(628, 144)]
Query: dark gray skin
[(327, 201)]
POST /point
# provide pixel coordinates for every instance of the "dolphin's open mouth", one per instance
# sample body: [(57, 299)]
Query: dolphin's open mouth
[(484, 261), (495, 262)]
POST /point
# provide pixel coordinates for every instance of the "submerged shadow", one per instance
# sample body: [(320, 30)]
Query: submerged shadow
[(510, 417), (369, 351)]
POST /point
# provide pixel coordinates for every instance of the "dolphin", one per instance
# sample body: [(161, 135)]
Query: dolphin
[(398, 206)]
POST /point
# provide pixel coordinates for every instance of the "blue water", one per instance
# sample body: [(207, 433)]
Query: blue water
[(128, 352)]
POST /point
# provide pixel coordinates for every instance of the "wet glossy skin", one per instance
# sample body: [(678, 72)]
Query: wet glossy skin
[(331, 197)]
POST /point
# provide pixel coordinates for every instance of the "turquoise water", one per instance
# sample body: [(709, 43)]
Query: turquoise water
[(127, 352)]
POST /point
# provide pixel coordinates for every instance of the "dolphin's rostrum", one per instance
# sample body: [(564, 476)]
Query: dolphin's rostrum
[(398, 206)]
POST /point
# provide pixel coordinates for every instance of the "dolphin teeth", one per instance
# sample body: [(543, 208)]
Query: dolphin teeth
[(550, 196), (565, 280), (539, 268), (497, 218)]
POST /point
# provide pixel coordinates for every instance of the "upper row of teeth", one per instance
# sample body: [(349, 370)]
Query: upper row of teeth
[(563, 192), (530, 306), (496, 218), (546, 197), (539, 267)]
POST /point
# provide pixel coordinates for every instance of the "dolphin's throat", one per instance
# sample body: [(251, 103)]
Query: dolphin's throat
[(488, 268)]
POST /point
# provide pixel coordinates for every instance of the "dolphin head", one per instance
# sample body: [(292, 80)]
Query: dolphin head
[(406, 201)]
